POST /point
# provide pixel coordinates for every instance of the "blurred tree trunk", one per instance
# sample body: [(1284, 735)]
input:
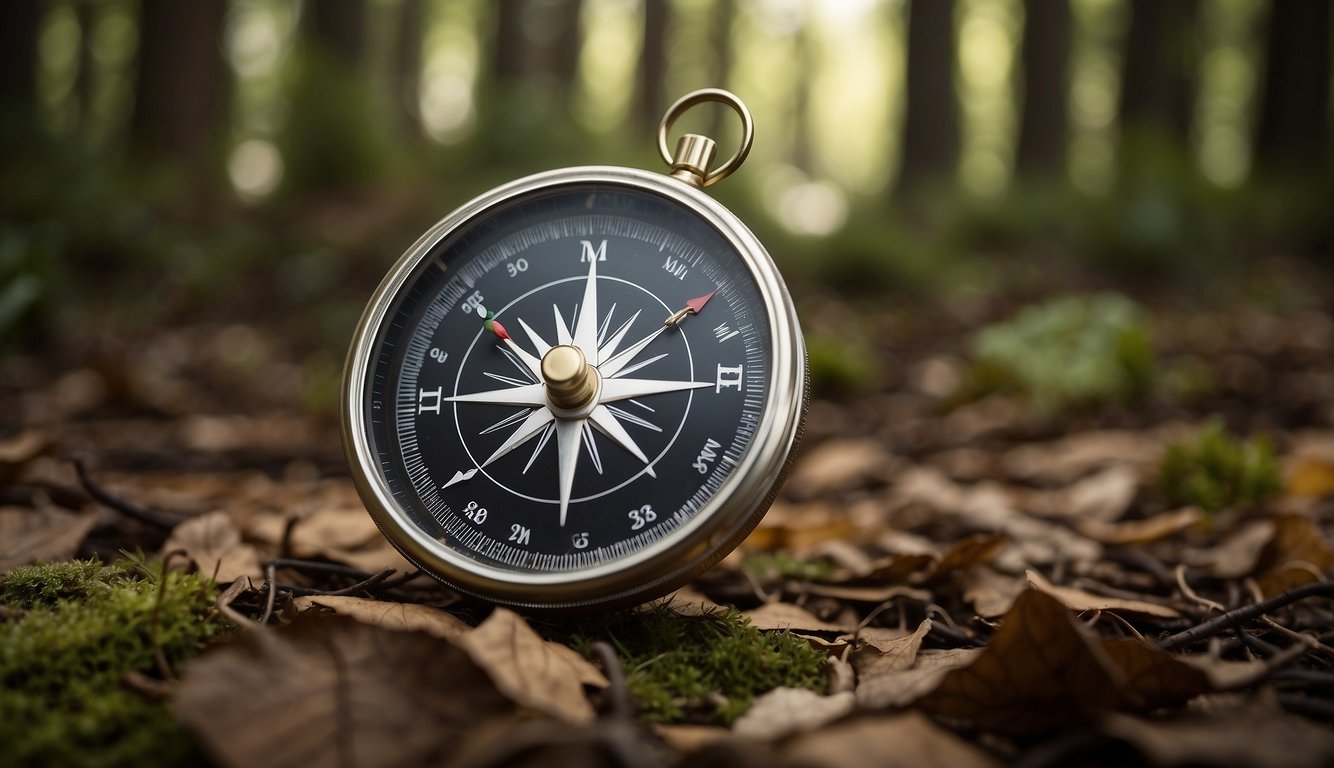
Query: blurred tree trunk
[(182, 90), (653, 63), (1158, 71), (724, 18), (803, 143), (1294, 117), (336, 29), (563, 50), (507, 47), (84, 79), (18, 54), (408, 65), (1042, 121), (931, 122)]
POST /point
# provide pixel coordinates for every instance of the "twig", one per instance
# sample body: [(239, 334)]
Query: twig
[(619, 693), (1239, 616), (160, 656), (142, 514), (1191, 595), (319, 567), (361, 585), (272, 583), (230, 594)]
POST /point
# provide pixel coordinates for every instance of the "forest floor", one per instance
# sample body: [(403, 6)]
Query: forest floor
[(975, 580)]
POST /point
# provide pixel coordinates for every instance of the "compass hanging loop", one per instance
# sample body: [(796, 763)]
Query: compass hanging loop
[(695, 153)]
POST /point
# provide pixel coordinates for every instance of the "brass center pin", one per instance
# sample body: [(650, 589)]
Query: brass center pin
[(571, 381)]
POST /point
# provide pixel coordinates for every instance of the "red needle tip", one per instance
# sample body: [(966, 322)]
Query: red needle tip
[(499, 330), (697, 305)]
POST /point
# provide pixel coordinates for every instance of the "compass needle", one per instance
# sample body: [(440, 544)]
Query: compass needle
[(528, 394), (624, 389), (569, 434), (586, 325)]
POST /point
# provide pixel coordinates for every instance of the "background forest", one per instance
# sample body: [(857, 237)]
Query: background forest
[(1066, 492)]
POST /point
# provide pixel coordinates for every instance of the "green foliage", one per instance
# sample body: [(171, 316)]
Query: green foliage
[(1214, 470), (768, 567), (706, 669), (840, 367), (71, 633), (333, 139), (1067, 353)]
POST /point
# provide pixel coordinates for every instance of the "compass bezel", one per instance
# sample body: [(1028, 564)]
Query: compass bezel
[(714, 531)]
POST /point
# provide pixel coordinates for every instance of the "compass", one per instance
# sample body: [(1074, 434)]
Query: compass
[(580, 389)]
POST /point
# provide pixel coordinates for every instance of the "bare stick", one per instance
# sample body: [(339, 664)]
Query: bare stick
[(270, 578), (142, 514), (1238, 616)]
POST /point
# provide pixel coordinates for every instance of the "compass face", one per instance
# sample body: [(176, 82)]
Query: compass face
[(568, 384)]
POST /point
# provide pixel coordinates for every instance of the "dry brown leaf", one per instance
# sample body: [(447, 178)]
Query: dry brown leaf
[(1297, 554), (1237, 554), (1039, 671), (785, 616), (1080, 601), (214, 545), (1103, 496), (44, 534), (545, 676), (798, 528), (1061, 461), (389, 615), (1257, 737), (684, 737), (341, 532), (785, 711), (1152, 677), (888, 689), (878, 654), (1148, 530), (1310, 477), (968, 551), (687, 602), (333, 691), (991, 593), (17, 450), (840, 464), (906, 740)]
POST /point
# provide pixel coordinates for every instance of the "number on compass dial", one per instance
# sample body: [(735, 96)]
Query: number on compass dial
[(573, 377)]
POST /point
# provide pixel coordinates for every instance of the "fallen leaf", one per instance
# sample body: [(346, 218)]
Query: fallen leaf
[(1257, 737), (214, 545), (1103, 496), (888, 689), (689, 603), (17, 450), (44, 534), (1138, 532), (343, 532), (1059, 462), (877, 655), (1297, 554), (991, 593), (1237, 554), (840, 464), (333, 691), (970, 550), (1080, 601), (687, 737), (906, 740), (798, 528), (1310, 477), (387, 614), (786, 616), (545, 676), (1039, 671), (785, 711)]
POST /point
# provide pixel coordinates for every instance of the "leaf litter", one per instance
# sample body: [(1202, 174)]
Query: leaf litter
[(982, 587)]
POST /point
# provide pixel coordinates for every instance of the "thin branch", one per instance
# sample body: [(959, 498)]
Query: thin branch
[(272, 583), (142, 514), (619, 693), (1239, 616)]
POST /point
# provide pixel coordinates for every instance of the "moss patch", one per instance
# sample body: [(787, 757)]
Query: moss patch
[(1214, 470), (71, 632), (702, 670)]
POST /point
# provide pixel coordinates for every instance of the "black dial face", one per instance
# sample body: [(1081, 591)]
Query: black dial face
[(568, 378)]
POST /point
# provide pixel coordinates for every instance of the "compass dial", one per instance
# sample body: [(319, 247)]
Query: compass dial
[(565, 393)]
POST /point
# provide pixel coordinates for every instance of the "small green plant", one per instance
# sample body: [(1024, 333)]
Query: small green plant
[(769, 567), (1068, 353), (707, 669), (1214, 470), (840, 368), (70, 635)]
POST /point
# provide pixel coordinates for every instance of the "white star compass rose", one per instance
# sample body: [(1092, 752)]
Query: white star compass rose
[(570, 386)]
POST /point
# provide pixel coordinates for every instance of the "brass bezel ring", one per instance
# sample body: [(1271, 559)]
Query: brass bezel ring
[(695, 98)]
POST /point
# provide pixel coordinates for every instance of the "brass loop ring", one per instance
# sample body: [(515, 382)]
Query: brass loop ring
[(702, 96)]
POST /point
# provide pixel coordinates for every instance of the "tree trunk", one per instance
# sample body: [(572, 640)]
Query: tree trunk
[(562, 52), (337, 29), (408, 66), (724, 19), (1294, 117), (182, 90), (1157, 83), (508, 57), (653, 63), (931, 123), (1042, 121), (18, 54)]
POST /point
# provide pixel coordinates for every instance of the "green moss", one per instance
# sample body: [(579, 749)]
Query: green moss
[(840, 367), (707, 669), (1067, 353), (71, 634), (1214, 470), (768, 567)]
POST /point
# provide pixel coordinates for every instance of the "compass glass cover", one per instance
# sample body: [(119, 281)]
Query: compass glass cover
[(469, 442)]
